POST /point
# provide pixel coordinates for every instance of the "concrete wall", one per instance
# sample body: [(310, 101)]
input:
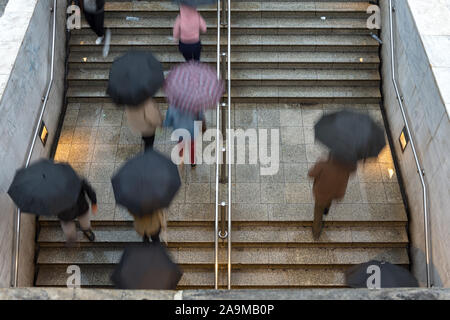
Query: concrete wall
[(25, 51), (422, 35)]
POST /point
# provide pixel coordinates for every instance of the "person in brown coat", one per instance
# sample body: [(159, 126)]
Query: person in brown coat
[(144, 119), (330, 183)]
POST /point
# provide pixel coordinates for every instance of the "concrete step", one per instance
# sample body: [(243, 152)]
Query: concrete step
[(343, 215), (265, 42), (244, 24), (242, 235), (241, 256), (305, 94), (253, 77), (305, 8), (99, 276), (246, 59)]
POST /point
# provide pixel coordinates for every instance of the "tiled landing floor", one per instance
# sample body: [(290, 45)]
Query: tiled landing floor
[(96, 140)]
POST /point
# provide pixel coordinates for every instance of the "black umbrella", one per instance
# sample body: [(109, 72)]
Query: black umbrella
[(146, 267), (45, 188), (391, 276), (134, 77), (195, 3), (146, 183), (350, 136)]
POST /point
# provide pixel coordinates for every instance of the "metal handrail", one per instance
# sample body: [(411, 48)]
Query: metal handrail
[(420, 171), (216, 222), (229, 141), (16, 243), (220, 165)]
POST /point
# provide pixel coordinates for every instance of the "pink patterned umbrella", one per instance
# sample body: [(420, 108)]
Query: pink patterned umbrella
[(193, 87)]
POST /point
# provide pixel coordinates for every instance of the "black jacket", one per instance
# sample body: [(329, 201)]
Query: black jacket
[(100, 6), (81, 207)]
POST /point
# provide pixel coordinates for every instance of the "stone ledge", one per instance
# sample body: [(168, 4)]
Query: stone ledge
[(305, 294), (15, 18)]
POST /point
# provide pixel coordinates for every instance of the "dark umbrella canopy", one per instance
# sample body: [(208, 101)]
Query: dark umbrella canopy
[(392, 276), (350, 136), (134, 77), (195, 3), (146, 183), (45, 188), (146, 267)]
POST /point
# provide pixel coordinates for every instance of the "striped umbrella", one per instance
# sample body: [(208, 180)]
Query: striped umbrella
[(193, 86)]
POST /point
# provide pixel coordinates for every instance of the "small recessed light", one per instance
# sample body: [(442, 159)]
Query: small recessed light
[(43, 133), (404, 139)]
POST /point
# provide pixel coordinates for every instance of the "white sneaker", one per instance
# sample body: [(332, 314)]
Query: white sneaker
[(99, 40), (107, 43)]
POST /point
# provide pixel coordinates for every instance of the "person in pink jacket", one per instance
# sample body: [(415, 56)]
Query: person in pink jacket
[(187, 28)]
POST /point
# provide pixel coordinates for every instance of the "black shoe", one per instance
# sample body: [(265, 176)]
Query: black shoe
[(156, 239), (193, 166), (89, 234), (145, 239), (325, 212)]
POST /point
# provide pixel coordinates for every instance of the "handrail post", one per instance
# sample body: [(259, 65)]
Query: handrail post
[(223, 233), (16, 241), (420, 171), (223, 167)]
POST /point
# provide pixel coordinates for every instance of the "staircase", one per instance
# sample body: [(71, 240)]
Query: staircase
[(291, 62)]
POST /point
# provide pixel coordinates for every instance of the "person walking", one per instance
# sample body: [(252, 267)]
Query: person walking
[(150, 225), (184, 120), (330, 183), (79, 211), (188, 25), (144, 119), (94, 12)]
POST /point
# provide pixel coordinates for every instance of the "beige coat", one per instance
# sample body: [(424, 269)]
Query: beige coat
[(145, 118), (150, 224)]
